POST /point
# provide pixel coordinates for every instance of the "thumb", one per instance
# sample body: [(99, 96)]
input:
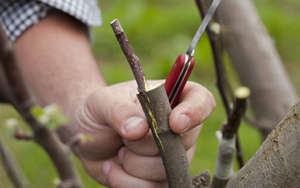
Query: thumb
[(118, 107)]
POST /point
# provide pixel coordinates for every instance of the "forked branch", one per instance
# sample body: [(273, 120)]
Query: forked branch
[(227, 138), (214, 35)]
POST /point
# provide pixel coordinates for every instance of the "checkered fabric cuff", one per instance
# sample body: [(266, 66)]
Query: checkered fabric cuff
[(18, 15)]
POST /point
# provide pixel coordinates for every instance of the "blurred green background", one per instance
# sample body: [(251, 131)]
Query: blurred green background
[(159, 31)]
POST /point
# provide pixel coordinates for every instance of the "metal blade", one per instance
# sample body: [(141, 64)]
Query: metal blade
[(212, 9)]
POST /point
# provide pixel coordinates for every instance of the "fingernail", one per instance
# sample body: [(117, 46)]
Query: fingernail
[(183, 122), (132, 125), (106, 167)]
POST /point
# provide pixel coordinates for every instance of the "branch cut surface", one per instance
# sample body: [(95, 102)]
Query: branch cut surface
[(157, 109)]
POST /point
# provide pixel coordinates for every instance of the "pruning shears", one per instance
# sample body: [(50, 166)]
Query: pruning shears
[(184, 63)]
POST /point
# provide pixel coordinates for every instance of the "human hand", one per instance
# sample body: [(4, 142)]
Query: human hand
[(123, 152)]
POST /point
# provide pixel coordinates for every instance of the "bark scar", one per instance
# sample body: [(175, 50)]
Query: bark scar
[(154, 123)]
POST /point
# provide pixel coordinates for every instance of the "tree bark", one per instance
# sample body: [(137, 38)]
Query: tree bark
[(277, 162), (157, 109), (256, 61)]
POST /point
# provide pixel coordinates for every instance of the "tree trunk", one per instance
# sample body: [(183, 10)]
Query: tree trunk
[(277, 162), (256, 61)]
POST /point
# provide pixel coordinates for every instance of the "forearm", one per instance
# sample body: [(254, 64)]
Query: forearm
[(57, 61)]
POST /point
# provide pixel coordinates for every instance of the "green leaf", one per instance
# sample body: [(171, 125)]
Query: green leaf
[(37, 111), (50, 116)]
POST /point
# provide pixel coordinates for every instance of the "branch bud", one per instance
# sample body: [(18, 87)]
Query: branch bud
[(215, 28)]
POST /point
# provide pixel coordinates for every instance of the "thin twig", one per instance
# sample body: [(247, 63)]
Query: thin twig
[(230, 129), (23, 102), (239, 153), (222, 81), (214, 39), (132, 59), (13, 171), (227, 138)]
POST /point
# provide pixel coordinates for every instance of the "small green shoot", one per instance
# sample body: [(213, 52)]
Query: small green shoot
[(50, 115)]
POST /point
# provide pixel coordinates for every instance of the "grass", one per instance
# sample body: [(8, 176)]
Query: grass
[(159, 31)]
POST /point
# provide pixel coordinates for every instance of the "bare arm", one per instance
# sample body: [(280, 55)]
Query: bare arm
[(57, 61)]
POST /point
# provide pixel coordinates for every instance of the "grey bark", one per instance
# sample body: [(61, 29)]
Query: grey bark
[(256, 61), (157, 109), (277, 162)]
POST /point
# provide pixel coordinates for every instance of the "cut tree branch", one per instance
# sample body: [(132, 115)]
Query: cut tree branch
[(23, 102), (155, 104), (216, 46), (214, 36), (227, 137), (157, 110), (13, 171), (230, 129)]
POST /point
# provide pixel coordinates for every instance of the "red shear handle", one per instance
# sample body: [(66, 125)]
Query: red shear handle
[(178, 77)]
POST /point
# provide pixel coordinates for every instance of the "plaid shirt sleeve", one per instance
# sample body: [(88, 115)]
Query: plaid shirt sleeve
[(18, 15)]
